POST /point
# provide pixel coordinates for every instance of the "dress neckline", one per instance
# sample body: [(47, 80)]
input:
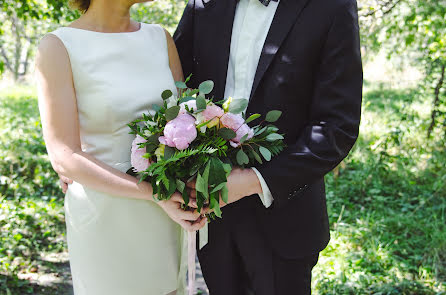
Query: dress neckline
[(107, 33)]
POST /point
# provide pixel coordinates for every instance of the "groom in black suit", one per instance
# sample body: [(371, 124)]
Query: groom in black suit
[(309, 66)]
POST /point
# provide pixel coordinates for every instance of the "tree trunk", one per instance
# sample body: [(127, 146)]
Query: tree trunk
[(436, 101)]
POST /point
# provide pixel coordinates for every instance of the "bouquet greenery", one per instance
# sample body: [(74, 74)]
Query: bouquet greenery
[(190, 136)]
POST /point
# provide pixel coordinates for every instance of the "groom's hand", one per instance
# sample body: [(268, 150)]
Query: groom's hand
[(241, 183)]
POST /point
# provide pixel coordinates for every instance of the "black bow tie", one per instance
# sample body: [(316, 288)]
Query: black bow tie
[(266, 2)]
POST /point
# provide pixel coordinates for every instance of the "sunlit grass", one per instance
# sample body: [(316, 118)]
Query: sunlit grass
[(387, 206)]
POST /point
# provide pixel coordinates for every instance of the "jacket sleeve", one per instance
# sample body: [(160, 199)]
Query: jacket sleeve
[(334, 114), (184, 38)]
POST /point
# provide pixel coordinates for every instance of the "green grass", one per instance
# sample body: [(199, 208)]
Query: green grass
[(32, 233), (386, 204)]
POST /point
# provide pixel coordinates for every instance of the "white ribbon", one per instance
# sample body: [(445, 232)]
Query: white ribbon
[(191, 253)]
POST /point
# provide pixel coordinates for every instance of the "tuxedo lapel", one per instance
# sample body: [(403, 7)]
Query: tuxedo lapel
[(286, 16)]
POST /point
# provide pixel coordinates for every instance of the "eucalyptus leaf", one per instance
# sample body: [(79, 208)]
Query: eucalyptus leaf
[(237, 106), (166, 94), (180, 85), (244, 137), (206, 87), (227, 133), (186, 99), (257, 157), (242, 158), (172, 113), (201, 103), (273, 116), (274, 137), (252, 118), (265, 153)]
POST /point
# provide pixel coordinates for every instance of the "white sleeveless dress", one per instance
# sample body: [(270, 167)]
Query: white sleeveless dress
[(118, 245)]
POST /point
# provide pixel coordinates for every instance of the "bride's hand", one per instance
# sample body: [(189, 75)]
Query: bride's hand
[(189, 220)]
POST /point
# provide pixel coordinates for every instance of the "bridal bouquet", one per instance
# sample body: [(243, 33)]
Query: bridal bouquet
[(190, 136)]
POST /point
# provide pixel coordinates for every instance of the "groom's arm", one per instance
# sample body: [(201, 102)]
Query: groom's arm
[(184, 40), (334, 115)]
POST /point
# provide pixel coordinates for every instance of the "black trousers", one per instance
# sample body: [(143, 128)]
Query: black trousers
[(238, 260)]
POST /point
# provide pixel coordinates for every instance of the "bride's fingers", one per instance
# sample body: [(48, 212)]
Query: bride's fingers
[(191, 184), (65, 179), (63, 185), (189, 215)]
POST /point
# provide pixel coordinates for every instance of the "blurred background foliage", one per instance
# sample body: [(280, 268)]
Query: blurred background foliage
[(386, 201)]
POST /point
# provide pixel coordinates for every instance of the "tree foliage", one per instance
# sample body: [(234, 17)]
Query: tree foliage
[(416, 31)]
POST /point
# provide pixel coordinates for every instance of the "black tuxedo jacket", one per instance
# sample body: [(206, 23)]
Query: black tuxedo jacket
[(310, 68)]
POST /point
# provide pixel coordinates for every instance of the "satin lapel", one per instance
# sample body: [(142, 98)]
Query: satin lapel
[(214, 32), (286, 16)]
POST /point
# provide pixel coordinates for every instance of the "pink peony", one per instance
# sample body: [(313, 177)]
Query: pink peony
[(242, 131), (213, 113), (191, 104), (138, 162), (232, 121), (179, 132)]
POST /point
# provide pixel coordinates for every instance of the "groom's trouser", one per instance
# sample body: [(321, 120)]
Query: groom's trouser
[(238, 260)]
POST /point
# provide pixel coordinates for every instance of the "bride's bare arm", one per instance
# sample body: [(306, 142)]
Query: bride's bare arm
[(174, 59), (58, 109)]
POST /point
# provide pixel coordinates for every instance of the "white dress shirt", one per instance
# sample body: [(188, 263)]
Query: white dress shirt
[(251, 26), (250, 29)]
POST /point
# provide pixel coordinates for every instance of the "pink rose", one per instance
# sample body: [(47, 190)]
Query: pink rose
[(242, 131), (179, 132), (191, 105), (232, 121), (136, 158)]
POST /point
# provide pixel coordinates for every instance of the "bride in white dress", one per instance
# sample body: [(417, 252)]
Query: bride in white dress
[(95, 76)]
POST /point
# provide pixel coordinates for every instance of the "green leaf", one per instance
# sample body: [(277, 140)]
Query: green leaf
[(265, 153), (256, 156), (202, 183), (172, 113), (172, 187), (180, 85), (180, 185), (217, 174), (201, 103), (215, 204), (244, 137), (228, 169), (273, 116), (252, 118), (168, 152), (156, 107), (185, 197), (242, 158), (166, 94), (225, 193), (218, 187), (238, 105), (227, 133), (274, 137), (260, 131), (188, 78), (206, 87), (186, 99)]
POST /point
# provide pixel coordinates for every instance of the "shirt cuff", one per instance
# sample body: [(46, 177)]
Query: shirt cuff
[(266, 197)]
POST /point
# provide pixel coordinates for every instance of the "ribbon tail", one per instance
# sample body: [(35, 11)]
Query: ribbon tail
[(191, 253)]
